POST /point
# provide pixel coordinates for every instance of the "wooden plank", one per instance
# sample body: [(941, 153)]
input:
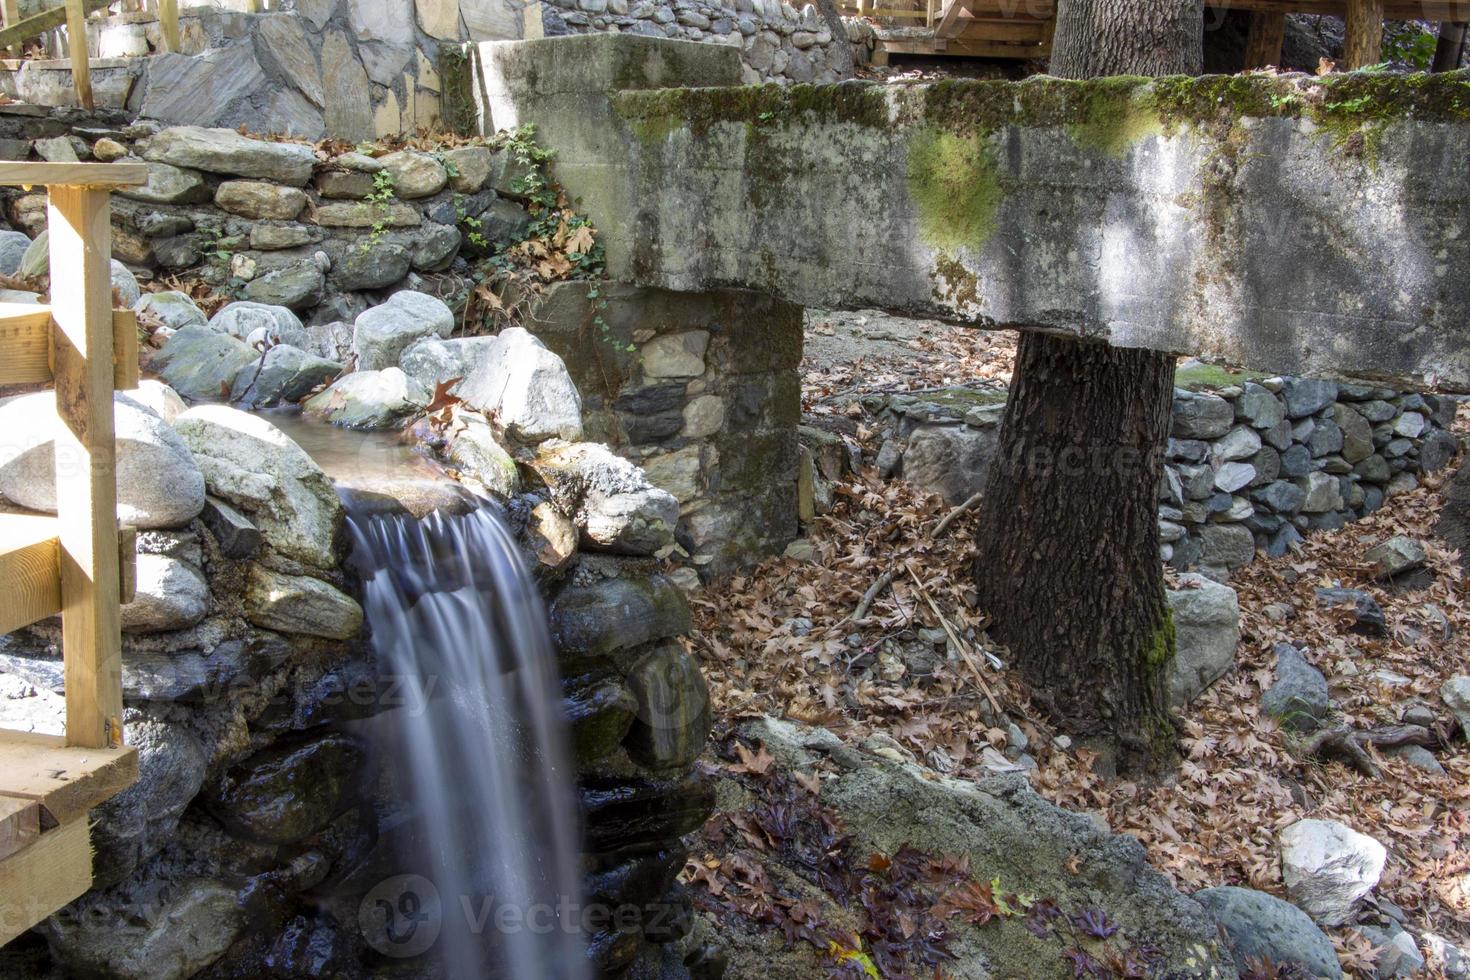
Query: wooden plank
[(1263, 44), (96, 175), (995, 30), (949, 21), (45, 877), (81, 64), (30, 567), (66, 780), (26, 346), (961, 47), (86, 504), (168, 21), (20, 824), (46, 20)]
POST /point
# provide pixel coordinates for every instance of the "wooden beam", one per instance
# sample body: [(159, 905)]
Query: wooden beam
[(1263, 44), (96, 175), (949, 21), (30, 567), (20, 824), (81, 59), (1364, 43), (47, 876), (1450, 50), (27, 346), (66, 781), (86, 502), (168, 21), (46, 20)]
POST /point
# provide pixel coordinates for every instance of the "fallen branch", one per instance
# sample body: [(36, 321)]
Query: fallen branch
[(874, 590), (950, 518), (960, 646)]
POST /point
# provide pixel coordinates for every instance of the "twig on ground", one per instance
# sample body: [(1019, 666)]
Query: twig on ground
[(953, 515), (960, 646)]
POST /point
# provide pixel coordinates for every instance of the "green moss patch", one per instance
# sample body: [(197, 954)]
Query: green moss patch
[(1204, 377), (954, 182)]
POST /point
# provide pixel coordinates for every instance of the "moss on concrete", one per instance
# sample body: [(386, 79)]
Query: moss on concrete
[(1203, 377), (655, 113), (954, 182)]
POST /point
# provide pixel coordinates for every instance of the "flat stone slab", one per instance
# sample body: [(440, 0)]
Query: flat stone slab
[(1283, 223)]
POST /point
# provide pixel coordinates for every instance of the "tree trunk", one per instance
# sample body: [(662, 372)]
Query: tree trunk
[(1362, 44), (1068, 562), (1450, 50)]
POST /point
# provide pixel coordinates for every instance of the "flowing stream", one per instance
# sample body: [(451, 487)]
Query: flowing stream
[(480, 743)]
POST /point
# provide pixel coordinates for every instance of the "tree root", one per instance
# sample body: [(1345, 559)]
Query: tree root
[(1351, 746)]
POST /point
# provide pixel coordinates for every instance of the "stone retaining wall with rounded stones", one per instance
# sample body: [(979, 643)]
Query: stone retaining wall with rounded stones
[(1252, 463), (261, 819)]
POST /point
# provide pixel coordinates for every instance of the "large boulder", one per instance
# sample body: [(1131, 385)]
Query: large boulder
[(470, 447), (432, 361), (171, 595), (158, 481), (253, 466), (1207, 627), (950, 460), (200, 362), (1261, 926), (284, 375), (224, 151), (369, 400), (259, 324), (382, 333), (611, 500), (1328, 868), (527, 388), (159, 398), (415, 174), (299, 604)]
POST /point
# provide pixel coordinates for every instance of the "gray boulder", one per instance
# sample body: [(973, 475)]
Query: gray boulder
[(224, 151), (1366, 614), (283, 375), (332, 340), (1207, 628), (124, 285), (1260, 926), (1328, 868), (1299, 699), (369, 399), (1395, 556), (171, 595), (254, 467), (296, 286), (471, 447), (158, 398), (174, 308), (1259, 406), (158, 481), (415, 174), (611, 500), (1320, 493), (1456, 694), (1307, 396), (950, 460), (13, 245), (200, 362), (168, 184), (382, 333), (528, 389), (260, 324), (299, 604), (431, 360), (1200, 416)]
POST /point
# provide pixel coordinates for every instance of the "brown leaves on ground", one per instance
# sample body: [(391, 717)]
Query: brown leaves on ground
[(778, 641)]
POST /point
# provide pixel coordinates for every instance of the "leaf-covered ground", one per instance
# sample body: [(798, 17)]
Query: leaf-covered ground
[(781, 641)]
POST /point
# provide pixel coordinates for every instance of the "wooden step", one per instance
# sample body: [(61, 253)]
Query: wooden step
[(96, 175), (27, 352), (66, 781)]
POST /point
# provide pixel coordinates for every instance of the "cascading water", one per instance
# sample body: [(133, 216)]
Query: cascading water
[(480, 742)]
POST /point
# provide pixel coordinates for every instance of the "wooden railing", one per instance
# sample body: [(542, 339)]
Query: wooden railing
[(73, 14), (73, 564)]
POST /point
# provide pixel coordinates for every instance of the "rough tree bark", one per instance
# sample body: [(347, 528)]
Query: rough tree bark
[(1068, 562)]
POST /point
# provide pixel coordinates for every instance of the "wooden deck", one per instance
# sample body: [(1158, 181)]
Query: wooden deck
[(1022, 29), (71, 564)]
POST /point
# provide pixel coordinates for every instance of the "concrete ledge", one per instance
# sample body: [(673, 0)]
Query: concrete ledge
[(1283, 223)]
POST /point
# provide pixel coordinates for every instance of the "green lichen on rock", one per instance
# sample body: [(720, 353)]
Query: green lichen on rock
[(954, 182)]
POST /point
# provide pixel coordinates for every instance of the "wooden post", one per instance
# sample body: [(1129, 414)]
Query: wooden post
[(1364, 44), (168, 21), (12, 15), (81, 66), (1263, 45), (86, 487), (1450, 50)]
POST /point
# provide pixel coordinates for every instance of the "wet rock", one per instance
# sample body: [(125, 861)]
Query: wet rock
[(673, 714), (610, 499), (1365, 613), (283, 375), (626, 813), (288, 792), (1207, 627), (369, 400), (299, 604), (599, 712), (1261, 926), (171, 595), (1328, 868), (527, 387), (382, 333), (602, 618), (1299, 698), (159, 482), (471, 447), (253, 466)]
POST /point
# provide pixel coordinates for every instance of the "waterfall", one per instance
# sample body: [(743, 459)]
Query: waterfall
[(479, 744)]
